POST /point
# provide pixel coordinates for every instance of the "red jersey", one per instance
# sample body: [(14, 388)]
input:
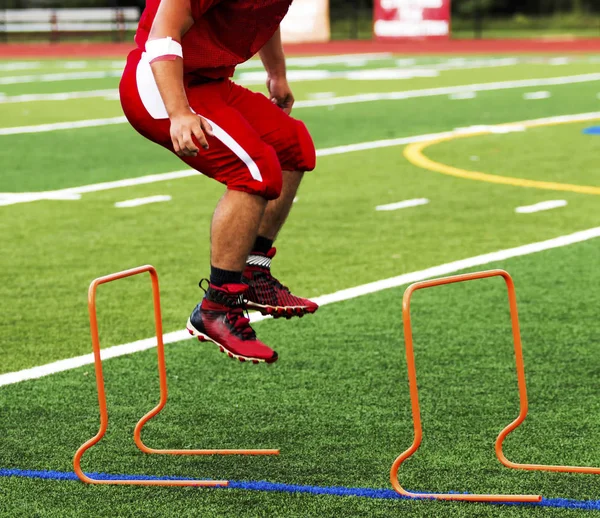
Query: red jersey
[(225, 33)]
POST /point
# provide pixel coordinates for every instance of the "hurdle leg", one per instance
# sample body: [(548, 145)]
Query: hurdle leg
[(414, 391), (162, 371), (523, 396)]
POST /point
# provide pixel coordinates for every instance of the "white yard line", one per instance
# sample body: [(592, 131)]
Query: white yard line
[(402, 204), (449, 90), (460, 90), (373, 74), (14, 198), (351, 60), (471, 64), (75, 65), (112, 93), (247, 78), (339, 59), (313, 61), (8, 198), (358, 291), (62, 76), (543, 205), (42, 128), (32, 65), (376, 144), (136, 202), (19, 65)]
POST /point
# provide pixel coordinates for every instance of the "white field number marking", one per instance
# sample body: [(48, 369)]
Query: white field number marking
[(462, 95), (532, 96), (321, 95), (136, 202), (559, 61), (538, 207), (403, 204)]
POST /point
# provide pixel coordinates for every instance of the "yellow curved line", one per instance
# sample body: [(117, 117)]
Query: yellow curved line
[(414, 154)]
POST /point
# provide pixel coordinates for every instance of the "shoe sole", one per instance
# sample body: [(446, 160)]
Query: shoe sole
[(205, 338), (286, 312)]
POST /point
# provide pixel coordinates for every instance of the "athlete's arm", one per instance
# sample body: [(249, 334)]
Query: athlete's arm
[(273, 60), (173, 19)]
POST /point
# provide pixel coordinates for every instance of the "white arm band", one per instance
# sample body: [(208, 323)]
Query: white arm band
[(163, 48)]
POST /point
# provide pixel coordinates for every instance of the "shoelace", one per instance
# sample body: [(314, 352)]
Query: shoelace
[(237, 316), (240, 322)]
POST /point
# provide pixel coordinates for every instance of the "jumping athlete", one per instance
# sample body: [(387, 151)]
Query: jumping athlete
[(176, 91)]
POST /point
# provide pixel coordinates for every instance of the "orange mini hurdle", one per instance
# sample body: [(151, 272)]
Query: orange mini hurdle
[(414, 391), (162, 374), (523, 401)]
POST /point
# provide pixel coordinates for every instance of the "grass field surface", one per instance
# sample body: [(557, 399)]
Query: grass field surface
[(337, 402)]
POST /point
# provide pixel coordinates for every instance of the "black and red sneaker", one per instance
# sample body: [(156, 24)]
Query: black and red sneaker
[(266, 294), (220, 319)]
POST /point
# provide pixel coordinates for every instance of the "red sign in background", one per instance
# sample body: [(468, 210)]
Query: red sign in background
[(403, 19)]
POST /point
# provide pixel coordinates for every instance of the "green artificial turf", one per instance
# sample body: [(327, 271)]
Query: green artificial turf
[(337, 403), (68, 500), (77, 241)]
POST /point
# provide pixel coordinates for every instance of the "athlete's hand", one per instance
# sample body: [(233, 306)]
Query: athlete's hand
[(280, 93), (184, 128)]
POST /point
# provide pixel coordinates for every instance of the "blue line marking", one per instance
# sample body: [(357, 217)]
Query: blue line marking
[(261, 485), (593, 130)]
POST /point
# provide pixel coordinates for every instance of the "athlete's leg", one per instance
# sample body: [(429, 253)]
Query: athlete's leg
[(292, 143), (234, 229), (277, 210), (238, 158), (296, 153)]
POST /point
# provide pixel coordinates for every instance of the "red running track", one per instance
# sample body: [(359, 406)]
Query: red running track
[(505, 46)]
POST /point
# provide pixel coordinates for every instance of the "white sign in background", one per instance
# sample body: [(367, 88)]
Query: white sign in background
[(412, 18), (306, 21)]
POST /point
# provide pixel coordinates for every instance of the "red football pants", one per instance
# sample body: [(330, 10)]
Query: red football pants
[(254, 140)]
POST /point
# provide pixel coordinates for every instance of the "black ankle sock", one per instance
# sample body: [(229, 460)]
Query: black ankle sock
[(219, 277), (262, 245)]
